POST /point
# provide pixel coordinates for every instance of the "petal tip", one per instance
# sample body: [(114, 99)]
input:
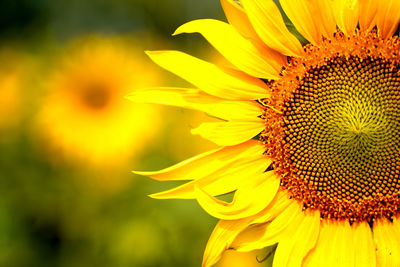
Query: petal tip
[(195, 131), (178, 31), (142, 173), (131, 97), (151, 53), (154, 196)]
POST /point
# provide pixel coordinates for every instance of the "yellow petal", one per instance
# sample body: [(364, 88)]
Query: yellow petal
[(368, 11), (221, 239), (365, 247), (276, 207), (323, 12), (223, 83), (388, 17), (258, 62), (300, 239), (225, 180), (238, 19), (195, 99), (330, 239), (304, 17), (252, 196), (346, 13), (204, 164), (344, 240), (318, 256), (343, 243), (267, 20), (256, 231), (313, 19), (387, 239), (263, 235), (229, 133)]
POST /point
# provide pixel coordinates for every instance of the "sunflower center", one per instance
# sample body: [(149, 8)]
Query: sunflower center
[(342, 128), (336, 140), (96, 96)]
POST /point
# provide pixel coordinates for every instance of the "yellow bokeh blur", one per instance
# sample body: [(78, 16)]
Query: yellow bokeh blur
[(16, 66), (85, 117)]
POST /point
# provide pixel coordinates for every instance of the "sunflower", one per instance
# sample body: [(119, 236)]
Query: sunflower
[(84, 117), (309, 136)]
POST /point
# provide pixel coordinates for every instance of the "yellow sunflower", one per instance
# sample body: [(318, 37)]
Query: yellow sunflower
[(84, 117), (309, 133)]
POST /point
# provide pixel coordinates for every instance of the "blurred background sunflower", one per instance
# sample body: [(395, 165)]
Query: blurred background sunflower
[(69, 139), (83, 117)]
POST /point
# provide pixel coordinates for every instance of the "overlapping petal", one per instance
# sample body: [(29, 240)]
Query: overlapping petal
[(269, 233), (267, 20), (196, 99), (346, 13), (227, 233), (253, 195), (221, 238), (206, 163), (225, 180), (323, 14), (223, 83), (229, 133), (387, 17), (368, 12), (346, 240), (238, 18), (300, 238), (276, 207), (261, 62), (300, 12), (387, 240)]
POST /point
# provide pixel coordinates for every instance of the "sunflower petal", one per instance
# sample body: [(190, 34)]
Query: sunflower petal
[(263, 235), (237, 17), (206, 163), (323, 12), (221, 238), (346, 13), (262, 63), (322, 255), (388, 17), (267, 20), (299, 12), (313, 19), (366, 252), (276, 207), (195, 99), (387, 239), (301, 238), (257, 229), (250, 198), (223, 83), (229, 133), (225, 180), (368, 12), (346, 240)]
